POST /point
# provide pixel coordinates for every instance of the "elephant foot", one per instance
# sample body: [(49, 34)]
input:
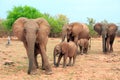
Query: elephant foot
[(68, 64), (57, 65), (111, 51), (64, 66), (81, 53), (85, 52), (43, 68), (72, 65), (48, 72), (34, 72)]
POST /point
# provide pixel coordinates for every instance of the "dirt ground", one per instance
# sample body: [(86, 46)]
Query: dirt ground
[(93, 66)]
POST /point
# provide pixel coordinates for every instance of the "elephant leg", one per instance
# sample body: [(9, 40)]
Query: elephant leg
[(69, 64), (85, 50), (107, 44), (26, 47), (43, 67), (81, 49), (74, 57), (76, 39), (64, 60), (36, 52), (45, 62), (89, 43), (36, 63), (111, 43), (59, 59)]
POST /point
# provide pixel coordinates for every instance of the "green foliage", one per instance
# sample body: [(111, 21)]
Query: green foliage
[(90, 24), (56, 23), (3, 31), (20, 11), (104, 22)]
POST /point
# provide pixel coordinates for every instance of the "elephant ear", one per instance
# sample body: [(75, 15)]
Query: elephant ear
[(64, 47), (43, 25), (112, 28), (98, 28), (18, 27)]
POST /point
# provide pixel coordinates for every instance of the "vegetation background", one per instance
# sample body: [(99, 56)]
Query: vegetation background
[(56, 22)]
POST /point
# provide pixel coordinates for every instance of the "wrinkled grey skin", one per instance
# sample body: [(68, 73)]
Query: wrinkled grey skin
[(65, 49), (108, 32), (34, 35)]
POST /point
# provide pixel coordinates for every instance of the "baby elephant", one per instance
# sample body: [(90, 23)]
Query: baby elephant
[(65, 49), (83, 44)]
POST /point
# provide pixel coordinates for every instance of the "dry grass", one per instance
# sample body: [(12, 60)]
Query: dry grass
[(94, 66)]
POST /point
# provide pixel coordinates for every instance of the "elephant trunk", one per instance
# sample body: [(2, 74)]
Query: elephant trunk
[(63, 37), (31, 44), (104, 43)]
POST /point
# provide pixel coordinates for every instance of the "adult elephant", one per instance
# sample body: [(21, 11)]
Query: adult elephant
[(108, 32), (75, 31), (34, 34)]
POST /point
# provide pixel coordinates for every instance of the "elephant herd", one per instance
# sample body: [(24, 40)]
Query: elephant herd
[(34, 35)]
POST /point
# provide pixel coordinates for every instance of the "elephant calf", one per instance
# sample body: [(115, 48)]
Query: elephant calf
[(65, 49), (83, 44)]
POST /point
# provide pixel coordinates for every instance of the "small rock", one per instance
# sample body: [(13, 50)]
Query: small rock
[(8, 63)]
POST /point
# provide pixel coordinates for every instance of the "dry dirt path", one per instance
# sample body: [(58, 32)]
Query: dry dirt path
[(93, 66)]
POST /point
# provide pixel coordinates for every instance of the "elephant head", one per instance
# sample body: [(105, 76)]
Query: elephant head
[(57, 51), (66, 31), (106, 30), (28, 30)]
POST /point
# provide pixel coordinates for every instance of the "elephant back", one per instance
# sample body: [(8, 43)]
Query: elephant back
[(76, 28), (85, 28), (72, 49)]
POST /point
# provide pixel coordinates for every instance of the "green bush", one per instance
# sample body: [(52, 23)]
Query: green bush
[(90, 24), (30, 12)]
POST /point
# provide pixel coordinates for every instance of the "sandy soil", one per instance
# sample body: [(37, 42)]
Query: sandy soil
[(93, 66)]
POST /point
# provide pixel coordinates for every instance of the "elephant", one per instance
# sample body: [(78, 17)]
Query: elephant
[(83, 44), (34, 35), (75, 31), (108, 32), (65, 49)]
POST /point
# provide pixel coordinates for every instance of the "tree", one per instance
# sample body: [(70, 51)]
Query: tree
[(63, 18), (20, 11), (56, 23), (90, 24), (30, 12), (104, 21)]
